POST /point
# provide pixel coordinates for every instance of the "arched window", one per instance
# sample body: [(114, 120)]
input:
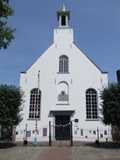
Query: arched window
[(63, 20), (91, 104), (35, 103), (63, 64)]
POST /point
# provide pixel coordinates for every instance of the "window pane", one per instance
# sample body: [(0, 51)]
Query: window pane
[(35, 103), (63, 64), (91, 104)]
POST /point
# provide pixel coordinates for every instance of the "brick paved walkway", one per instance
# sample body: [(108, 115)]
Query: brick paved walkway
[(59, 153), (21, 153), (90, 153)]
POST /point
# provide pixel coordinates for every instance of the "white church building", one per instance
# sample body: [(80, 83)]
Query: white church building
[(62, 86)]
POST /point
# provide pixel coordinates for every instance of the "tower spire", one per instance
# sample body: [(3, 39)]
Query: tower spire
[(63, 17), (63, 7)]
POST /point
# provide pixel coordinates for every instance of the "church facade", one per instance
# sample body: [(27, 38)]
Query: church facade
[(62, 86)]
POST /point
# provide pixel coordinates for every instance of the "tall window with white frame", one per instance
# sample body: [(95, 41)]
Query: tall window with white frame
[(35, 103), (91, 104), (63, 64)]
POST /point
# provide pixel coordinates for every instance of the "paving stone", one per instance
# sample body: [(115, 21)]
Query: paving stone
[(21, 153), (59, 153), (90, 153)]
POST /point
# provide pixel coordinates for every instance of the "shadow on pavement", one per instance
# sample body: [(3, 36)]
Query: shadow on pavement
[(109, 145), (104, 145), (5, 145)]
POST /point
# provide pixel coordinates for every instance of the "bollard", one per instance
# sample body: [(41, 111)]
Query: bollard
[(25, 142)]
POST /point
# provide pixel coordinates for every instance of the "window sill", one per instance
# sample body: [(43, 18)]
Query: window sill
[(92, 120), (63, 72), (62, 104), (33, 119)]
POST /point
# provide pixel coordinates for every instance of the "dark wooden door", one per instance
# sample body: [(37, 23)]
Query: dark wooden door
[(62, 129)]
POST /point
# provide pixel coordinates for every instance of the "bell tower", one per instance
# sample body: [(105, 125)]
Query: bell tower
[(63, 17)]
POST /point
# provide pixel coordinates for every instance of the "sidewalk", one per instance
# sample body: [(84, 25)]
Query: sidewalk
[(80, 152), (57, 153)]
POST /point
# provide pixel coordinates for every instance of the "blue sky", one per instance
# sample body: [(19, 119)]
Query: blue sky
[(96, 26)]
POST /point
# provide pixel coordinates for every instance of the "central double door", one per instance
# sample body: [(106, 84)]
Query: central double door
[(62, 127)]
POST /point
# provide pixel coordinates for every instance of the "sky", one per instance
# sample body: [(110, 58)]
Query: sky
[(96, 25)]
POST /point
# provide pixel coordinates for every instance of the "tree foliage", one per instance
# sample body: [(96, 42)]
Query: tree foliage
[(111, 104), (11, 99), (6, 32)]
